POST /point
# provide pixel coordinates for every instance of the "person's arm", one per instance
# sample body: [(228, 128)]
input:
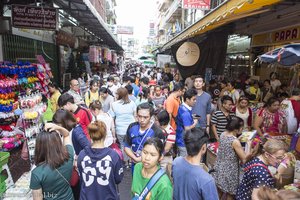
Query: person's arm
[(168, 147), (257, 124), (81, 138), (214, 130), (244, 157), (130, 154), (37, 194), (187, 128), (86, 98), (208, 117), (213, 123), (118, 170), (127, 146), (64, 132), (208, 114), (209, 191), (36, 186), (113, 129)]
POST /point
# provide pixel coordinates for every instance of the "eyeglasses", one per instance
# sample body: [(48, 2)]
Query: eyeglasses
[(280, 159)]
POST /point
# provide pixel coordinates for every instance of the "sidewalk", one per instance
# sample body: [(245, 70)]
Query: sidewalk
[(125, 185)]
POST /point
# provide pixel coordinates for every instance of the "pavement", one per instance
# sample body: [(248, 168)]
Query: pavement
[(125, 185)]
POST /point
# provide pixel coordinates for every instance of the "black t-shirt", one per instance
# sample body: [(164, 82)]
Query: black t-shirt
[(214, 92)]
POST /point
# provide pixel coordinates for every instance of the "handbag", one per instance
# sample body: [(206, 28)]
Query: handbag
[(74, 177), (116, 148), (154, 179)]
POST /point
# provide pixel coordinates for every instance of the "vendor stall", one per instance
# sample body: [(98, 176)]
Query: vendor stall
[(21, 88), (286, 174)]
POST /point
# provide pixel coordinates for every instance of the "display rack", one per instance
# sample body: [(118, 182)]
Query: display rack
[(21, 113)]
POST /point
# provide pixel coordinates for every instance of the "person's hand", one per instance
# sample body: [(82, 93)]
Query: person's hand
[(137, 159), (49, 127), (195, 122), (207, 131)]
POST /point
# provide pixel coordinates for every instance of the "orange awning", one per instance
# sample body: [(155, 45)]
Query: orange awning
[(227, 12)]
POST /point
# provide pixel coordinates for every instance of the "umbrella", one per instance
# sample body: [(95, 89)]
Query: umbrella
[(287, 55)]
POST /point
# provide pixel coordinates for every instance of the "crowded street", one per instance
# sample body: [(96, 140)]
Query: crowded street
[(149, 100)]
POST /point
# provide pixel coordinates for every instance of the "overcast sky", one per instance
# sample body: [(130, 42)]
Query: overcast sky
[(136, 13)]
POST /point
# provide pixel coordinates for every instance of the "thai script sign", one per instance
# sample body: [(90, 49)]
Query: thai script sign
[(34, 17), (196, 4)]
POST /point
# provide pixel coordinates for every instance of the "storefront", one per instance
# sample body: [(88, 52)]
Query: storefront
[(265, 42)]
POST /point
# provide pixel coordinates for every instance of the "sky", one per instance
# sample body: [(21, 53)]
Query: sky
[(136, 13)]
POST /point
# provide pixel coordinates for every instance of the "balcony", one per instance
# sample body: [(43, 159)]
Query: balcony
[(174, 12), (163, 4)]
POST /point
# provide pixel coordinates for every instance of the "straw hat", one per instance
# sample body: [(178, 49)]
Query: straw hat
[(188, 54)]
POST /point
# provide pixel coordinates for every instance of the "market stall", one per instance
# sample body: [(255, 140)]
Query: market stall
[(287, 174), (21, 88)]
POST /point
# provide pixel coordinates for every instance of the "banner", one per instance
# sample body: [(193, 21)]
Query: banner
[(125, 30), (34, 17), (196, 4)]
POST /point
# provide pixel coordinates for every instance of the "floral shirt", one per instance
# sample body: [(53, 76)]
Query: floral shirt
[(272, 122)]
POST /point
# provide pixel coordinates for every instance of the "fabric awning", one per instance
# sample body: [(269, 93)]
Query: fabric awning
[(227, 12)]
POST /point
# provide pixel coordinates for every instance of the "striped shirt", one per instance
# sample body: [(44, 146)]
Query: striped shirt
[(220, 120), (171, 134)]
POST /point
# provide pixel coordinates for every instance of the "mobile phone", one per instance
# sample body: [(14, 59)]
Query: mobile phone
[(195, 116)]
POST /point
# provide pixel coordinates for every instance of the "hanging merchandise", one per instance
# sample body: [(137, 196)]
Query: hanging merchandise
[(109, 55), (114, 58), (105, 53), (16, 82), (94, 54)]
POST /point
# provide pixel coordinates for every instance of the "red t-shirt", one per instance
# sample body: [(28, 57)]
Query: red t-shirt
[(84, 118)]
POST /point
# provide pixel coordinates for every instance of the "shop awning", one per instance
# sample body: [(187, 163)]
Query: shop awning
[(88, 17), (227, 12)]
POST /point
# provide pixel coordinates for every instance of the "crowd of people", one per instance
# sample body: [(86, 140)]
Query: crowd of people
[(152, 121)]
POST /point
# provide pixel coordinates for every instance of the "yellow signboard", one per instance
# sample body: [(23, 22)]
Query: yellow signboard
[(282, 36)]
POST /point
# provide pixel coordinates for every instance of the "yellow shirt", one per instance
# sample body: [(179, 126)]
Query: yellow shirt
[(90, 97), (53, 100)]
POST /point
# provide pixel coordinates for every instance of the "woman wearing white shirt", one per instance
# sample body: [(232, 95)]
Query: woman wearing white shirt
[(275, 83), (99, 115)]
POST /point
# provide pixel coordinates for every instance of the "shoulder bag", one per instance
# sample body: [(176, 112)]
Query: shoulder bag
[(154, 179)]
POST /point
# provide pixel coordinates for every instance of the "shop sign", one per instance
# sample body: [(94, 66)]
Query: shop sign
[(34, 17), (277, 37), (41, 35), (64, 38), (125, 30), (196, 4)]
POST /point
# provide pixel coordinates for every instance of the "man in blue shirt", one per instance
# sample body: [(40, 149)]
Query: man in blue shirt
[(203, 104), (190, 179), (138, 132), (184, 119)]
